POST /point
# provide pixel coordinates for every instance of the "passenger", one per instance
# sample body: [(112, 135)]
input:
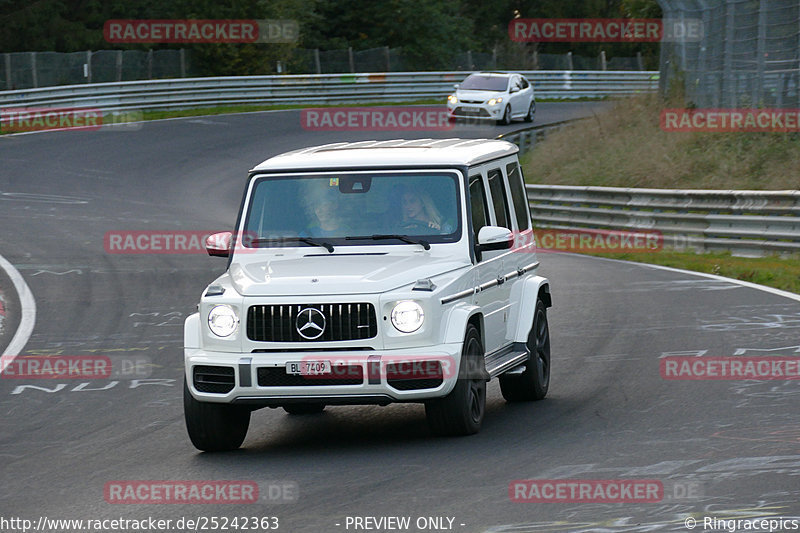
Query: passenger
[(419, 211)]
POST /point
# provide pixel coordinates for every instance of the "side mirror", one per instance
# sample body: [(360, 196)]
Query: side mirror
[(494, 238), (456, 86), (219, 244), (513, 90)]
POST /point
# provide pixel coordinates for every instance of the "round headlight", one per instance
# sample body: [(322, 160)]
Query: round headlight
[(407, 316), (495, 101), (452, 99), (222, 320)]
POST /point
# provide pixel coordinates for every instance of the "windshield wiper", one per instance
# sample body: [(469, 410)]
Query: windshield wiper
[(405, 238), (306, 240)]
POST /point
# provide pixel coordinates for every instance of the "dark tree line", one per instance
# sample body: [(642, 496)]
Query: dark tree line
[(429, 32)]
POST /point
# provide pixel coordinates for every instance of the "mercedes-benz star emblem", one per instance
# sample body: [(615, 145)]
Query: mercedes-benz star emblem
[(310, 323)]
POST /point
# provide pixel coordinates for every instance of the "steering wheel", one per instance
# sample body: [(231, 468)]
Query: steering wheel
[(416, 226)]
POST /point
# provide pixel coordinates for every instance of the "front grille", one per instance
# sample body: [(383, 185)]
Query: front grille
[(343, 322), (340, 375), (213, 379), (415, 375)]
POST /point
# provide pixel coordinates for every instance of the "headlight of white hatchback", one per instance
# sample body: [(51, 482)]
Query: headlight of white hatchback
[(495, 101), (222, 320), (407, 316), (452, 99)]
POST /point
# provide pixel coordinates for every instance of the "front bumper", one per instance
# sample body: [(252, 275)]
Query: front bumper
[(358, 377), (475, 111)]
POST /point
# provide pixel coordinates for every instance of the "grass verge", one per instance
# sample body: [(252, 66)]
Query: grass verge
[(773, 271), (625, 147)]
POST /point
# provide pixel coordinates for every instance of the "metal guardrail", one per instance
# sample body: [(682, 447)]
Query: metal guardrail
[(750, 223), (527, 138), (314, 89)]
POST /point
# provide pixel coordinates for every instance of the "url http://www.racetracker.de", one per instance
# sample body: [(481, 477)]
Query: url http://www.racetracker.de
[(180, 525)]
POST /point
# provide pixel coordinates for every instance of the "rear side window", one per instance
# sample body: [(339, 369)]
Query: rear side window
[(499, 200), (477, 198), (518, 196)]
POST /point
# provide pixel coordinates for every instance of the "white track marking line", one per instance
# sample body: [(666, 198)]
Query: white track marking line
[(28, 305), (748, 284)]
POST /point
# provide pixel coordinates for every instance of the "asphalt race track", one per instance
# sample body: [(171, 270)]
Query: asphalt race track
[(724, 449)]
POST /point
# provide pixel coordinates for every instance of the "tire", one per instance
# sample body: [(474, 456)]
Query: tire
[(214, 427), (531, 112), (506, 120), (304, 408), (461, 412), (534, 382)]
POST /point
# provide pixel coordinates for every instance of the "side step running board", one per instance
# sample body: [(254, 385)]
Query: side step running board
[(507, 359)]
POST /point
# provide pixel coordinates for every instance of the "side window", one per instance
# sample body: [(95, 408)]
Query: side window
[(524, 83), (499, 200), (477, 198), (518, 196)]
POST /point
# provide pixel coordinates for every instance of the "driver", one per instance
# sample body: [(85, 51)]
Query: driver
[(324, 213)]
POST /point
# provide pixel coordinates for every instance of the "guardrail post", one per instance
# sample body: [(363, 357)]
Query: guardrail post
[(469, 60), (350, 57), (150, 64), (569, 61), (119, 65), (603, 63), (34, 77), (639, 61), (388, 60), (535, 59), (183, 62), (8, 71), (88, 66), (317, 64)]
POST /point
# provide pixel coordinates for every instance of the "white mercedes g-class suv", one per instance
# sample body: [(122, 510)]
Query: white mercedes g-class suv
[(370, 273)]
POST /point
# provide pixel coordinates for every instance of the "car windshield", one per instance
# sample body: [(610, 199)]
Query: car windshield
[(353, 209), (478, 82)]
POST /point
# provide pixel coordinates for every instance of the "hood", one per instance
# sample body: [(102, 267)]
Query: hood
[(469, 94), (334, 274)]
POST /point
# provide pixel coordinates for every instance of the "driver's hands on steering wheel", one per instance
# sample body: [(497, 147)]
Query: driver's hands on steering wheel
[(421, 224)]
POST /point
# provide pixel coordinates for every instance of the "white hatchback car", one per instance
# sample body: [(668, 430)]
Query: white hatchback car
[(493, 96), (370, 273)]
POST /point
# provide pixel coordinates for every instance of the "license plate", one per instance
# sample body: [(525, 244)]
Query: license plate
[(308, 368)]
